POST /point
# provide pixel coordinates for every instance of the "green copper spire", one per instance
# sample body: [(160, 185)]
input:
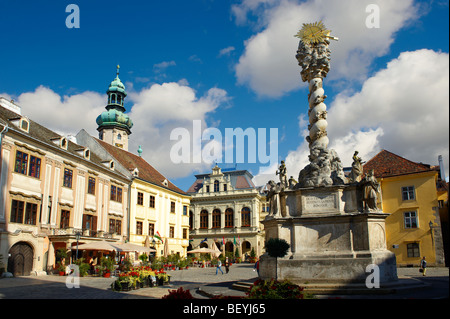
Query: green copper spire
[(114, 116)]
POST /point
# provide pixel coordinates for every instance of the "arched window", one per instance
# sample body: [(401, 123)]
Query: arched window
[(245, 217), (119, 100), (216, 186), (204, 219), (229, 217), (216, 218), (113, 98)]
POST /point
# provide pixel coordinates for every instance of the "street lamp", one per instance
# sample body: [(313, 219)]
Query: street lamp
[(78, 236)]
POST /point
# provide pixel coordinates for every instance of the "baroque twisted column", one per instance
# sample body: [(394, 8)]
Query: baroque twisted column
[(313, 55)]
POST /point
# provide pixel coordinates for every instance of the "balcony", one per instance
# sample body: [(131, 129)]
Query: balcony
[(71, 232)]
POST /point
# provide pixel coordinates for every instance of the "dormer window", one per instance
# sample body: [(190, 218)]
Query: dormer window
[(60, 141), (165, 183), (87, 154), (24, 125)]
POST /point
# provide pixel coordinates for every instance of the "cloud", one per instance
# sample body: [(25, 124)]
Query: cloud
[(160, 67), (268, 65), (226, 51), (63, 114), (155, 112), (161, 108), (402, 108)]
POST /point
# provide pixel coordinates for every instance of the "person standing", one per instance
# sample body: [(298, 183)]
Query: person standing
[(219, 267), (257, 266), (227, 265), (423, 266)]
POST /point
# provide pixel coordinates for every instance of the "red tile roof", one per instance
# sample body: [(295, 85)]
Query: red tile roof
[(387, 164), (146, 172)]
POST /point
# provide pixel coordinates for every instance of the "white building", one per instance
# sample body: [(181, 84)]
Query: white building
[(226, 209)]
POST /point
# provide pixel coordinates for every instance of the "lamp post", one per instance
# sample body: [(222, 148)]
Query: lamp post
[(78, 236)]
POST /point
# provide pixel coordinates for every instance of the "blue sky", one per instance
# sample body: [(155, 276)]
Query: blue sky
[(232, 64)]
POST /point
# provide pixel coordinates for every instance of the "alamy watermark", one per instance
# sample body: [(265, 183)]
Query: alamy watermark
[(73, 278), (210, 146), (73, 19), (373, 18), (373, 279)]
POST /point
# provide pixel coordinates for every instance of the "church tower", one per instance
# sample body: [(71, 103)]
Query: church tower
[(114, 126)]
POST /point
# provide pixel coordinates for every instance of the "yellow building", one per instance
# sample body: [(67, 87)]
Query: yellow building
[(409, 195)]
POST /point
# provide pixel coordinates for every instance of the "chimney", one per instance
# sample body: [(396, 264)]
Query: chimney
[(441, 167)]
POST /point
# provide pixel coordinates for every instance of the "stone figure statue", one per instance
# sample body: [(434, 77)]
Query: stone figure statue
[(282, 172), (292, 182), (371, 188), (276, 199), (357, 169)]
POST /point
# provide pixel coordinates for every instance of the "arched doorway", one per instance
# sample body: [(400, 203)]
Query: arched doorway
[(246, 247), (20, 262), (229, 247)]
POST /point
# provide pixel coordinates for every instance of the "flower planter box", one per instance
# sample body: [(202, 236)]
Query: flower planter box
[(107, 275), (62, 273)]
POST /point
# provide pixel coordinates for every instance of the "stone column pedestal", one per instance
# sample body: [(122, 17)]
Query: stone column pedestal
[(331, 239)]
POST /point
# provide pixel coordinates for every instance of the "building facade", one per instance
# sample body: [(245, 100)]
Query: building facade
[(409, 194), (52, 189), (157, 209), (226, 210)]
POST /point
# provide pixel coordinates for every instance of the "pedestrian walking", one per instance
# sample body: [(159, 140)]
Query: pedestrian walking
[(257, 266), (227, 265), (219, 267), (423, 266)]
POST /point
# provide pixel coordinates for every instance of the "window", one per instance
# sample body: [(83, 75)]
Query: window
[(216, 218), (91, 186), (204, 219), (16, 211), (207, 188), (138, 228), (172, 207), (151, 229), (172, 232), (35, 167), (21, 166), (408, 193), (229, 217), (245, 217), (30, 214), (410, 219), (185, 210), (68, 173), (115, 226), (21, 162), (116, 194), (216, 186), (65, 218), (185, 233), (152, 201), (413, 250), (225, 187), (140, 198)]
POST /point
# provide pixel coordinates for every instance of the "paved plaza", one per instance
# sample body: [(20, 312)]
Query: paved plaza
[(202, 283)]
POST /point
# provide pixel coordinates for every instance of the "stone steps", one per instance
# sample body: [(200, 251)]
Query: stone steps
[(402, 285)]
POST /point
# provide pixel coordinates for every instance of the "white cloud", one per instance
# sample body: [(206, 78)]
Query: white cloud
[(155, 112), (160, 109), (268, 65), (403, 108), (63, 114), (226, 51)]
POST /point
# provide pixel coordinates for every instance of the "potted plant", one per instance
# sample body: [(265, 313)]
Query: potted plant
[(106, 266), (61, 269)]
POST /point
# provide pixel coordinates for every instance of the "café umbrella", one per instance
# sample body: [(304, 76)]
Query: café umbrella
[(204, 251), (99, 245)]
